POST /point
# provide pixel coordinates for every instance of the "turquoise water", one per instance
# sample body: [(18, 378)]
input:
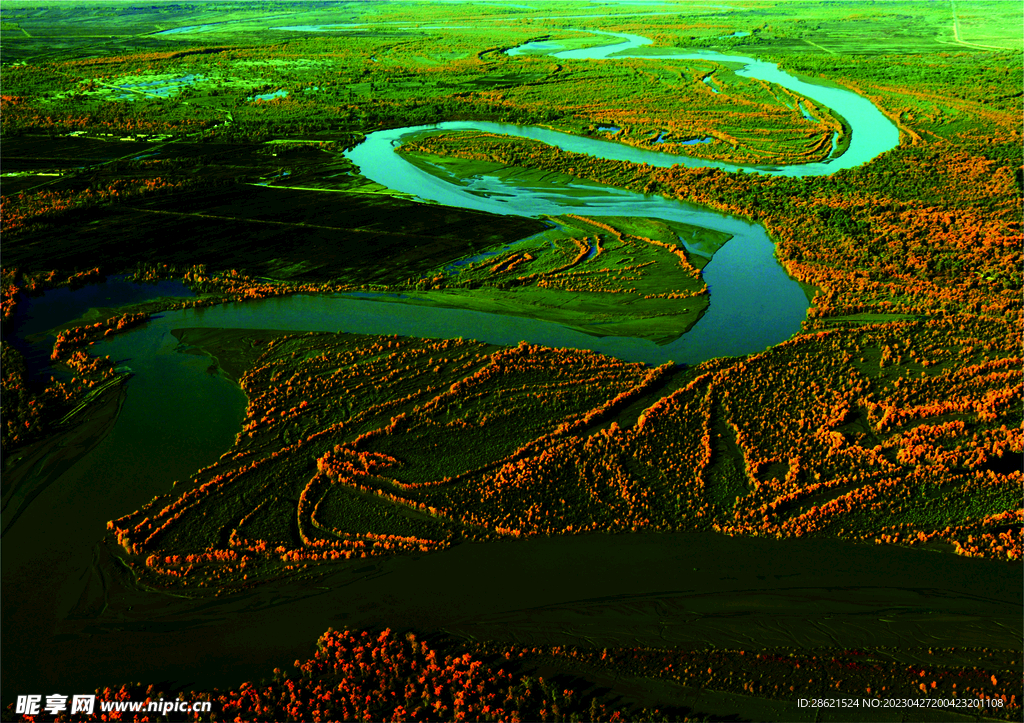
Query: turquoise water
[(871, 132), (662, 137), (627, 41), (754, 304), (741, 317), (269, 96), (538, 46), (709, 82), (835, 144)]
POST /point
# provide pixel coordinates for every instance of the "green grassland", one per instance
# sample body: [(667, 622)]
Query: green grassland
[(612, 277), (329, 84)]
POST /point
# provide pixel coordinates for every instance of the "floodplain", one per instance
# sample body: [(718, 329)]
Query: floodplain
[(531, 432)]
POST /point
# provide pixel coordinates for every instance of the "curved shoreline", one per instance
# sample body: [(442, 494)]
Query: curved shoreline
[(599, 589), (754, 304), (871, 133)]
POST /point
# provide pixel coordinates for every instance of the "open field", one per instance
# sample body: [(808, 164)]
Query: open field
[(509, 532)]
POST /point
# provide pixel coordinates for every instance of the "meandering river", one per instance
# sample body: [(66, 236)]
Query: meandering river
[(871, 133), (69, 626)]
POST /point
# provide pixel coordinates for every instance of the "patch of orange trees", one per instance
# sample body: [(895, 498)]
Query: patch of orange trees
[(29, 411), (383, 677), (355, 404), (873, 446)]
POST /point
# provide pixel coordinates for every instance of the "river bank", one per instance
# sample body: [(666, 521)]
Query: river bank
[(686, 591)]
